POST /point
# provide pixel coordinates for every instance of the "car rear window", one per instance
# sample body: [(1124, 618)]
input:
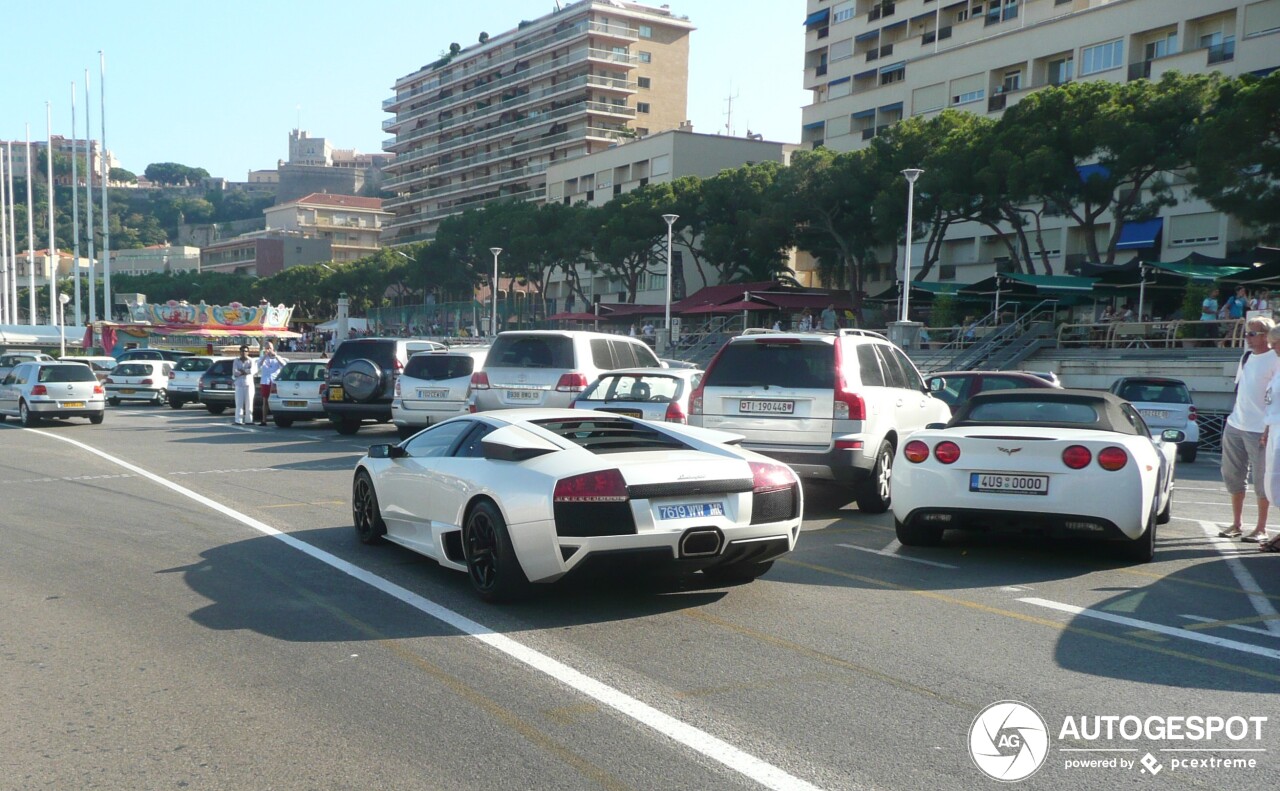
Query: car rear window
[(302, 372), (194, 364), (439, 366), (633, 387), (808, 365), (66, 373), (220, 368), (531, 351), (381, 352), (132, 369), (1023, 411), (609, 435), (1161, 392)]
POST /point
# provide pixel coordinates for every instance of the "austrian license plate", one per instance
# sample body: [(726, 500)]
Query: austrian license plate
[(1160, 413), (1008, 483), (335, 393), (432, 394), (128, 391), (73, 404), (295, 404), (768, 407), (522, 395), (691, 511)]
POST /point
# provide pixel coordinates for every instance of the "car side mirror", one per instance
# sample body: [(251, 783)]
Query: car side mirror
[(937, 384), (1172, 435), (386, 452)]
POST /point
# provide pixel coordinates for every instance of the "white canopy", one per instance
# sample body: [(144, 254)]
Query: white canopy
[(359, 325), (39, 335)]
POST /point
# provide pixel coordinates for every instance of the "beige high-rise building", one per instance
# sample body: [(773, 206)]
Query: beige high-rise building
[(350, 223), (483, 123), (871, 63)]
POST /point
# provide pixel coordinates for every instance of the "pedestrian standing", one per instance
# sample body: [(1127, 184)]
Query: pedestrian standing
[(242, 369), (268, 368), (1242, 436), (1271, 439), (829, 317)]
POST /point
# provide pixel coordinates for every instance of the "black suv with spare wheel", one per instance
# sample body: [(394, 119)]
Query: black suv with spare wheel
[(362, 379)]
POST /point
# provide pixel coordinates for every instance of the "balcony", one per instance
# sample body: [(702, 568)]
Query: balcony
[(455, 165), (882, 10), (1221, 53), (997, 102), (501, 130), (936, 35), (469, 185), (883, 52), (1140, 70), (819, 71)]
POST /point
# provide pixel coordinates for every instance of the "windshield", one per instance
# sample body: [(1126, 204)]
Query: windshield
[(132, 369), (633, 387), (809, 365), (531, 351), (66, 373), (1155, 392), (439, 366), (1024, 411), (302, 372)]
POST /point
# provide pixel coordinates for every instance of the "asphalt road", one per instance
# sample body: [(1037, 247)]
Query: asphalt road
[(184, 604)]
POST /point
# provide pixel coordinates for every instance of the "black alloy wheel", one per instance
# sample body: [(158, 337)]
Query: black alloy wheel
[(492, 565), (364, 510)]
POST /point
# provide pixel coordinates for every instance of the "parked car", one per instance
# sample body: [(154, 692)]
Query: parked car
[(295, 392), (515, 497), (550, 368), (1164, 403), (956, 387), (101, 366), (1076, 463), (10, 359), (139, 380), (435, 386), (217, 390), (33, 391), (170, 355), (652, 394), (362, 379), (835, 406), (184, 379)]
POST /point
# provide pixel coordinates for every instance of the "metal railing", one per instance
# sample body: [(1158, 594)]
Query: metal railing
[(1152, 334)]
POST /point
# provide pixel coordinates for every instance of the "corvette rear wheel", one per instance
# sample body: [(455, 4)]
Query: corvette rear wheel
[(875, 495), (1166, 513), (491, 560), (364, 510), (1143, 548), (917, 535)]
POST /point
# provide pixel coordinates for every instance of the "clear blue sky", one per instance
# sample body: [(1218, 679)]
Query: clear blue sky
[(219, 84)]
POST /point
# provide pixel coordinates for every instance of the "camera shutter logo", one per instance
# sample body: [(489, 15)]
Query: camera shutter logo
[(1009, 741)]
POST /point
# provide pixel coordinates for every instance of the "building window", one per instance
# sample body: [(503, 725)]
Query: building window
[(969, 96), (1061, 71), (897, 75), (946, 271), (644, 82), (646, 31), (646, 57), (842, 12), (642, 107), (1101, 57)]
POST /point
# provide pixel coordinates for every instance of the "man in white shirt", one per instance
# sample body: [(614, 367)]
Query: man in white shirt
[(1242, 436), (268, 368)]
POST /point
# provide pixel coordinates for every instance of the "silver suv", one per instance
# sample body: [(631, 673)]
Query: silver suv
[(435, 386), (550, 368), (834, 406)]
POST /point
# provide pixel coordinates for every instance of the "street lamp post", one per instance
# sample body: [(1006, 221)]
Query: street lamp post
[(63, 299), (912, 174), (671, 219), (493, 315)]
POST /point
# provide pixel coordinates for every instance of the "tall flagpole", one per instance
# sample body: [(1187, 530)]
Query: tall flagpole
[(88, 203), (106, 174), (4, 249), (31, 240), (13, 238), (75, 207), (52, 260)]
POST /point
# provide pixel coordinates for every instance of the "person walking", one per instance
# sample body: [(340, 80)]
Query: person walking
[(268, 368), (1271, 440), (1242, 436), (242, 369), (829, 317)]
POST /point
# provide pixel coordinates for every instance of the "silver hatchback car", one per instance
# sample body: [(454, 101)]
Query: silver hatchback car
[(434, 386), (36, 390), (295, 392)]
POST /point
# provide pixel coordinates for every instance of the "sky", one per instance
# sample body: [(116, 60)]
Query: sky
[(219, 84)]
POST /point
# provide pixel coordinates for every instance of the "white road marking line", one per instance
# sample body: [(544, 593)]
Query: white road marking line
[(1241, 627), (1215, 489), (700, 741), (1150, 626), (886, 553), (1261, 604)]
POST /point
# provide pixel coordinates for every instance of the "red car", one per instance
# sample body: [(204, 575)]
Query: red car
[(957, 387)]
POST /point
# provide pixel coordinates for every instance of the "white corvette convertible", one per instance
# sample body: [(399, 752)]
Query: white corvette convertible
[(1054, 462), (528, 495)]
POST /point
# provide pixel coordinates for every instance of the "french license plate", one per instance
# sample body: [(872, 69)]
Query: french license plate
[(1161, 413), (433, 394), (335, 393), (221, 387), (768, 407), (128, 391), (523, 395), (295, 404), (73, 404), (691, 511), (1011, 483), (626, 412)]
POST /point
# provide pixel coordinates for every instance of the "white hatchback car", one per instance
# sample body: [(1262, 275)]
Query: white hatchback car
[(295, 392), (661, 394), (36, 390), (184, 379), (434, 386), (140, 380)]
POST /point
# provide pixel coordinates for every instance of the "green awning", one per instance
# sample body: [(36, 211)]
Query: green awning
[(1203, 273), (1049, 284)]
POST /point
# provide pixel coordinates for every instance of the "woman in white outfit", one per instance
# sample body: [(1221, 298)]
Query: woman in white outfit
[(242, 375), (1271, 436)]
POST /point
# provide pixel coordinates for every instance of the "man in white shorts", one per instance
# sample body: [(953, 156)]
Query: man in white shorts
[(1242, 436)]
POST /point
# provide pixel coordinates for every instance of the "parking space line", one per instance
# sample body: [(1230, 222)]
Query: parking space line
[(1151, 626), (664, 724), (886, 553), (1261, 603), (1234, 623)]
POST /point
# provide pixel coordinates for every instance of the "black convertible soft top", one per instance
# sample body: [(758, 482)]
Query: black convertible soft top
[(1091, 409)]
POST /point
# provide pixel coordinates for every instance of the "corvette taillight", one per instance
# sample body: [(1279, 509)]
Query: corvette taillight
[(766, 477), (605, 486), (947, 452), (1112, 459), (1077, 457), (915, 451)]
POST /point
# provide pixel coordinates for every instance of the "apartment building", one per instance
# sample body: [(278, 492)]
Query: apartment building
[(871, 63), (264, 253), (62, 146), (351, 224), (156, 258), (485, 122)]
